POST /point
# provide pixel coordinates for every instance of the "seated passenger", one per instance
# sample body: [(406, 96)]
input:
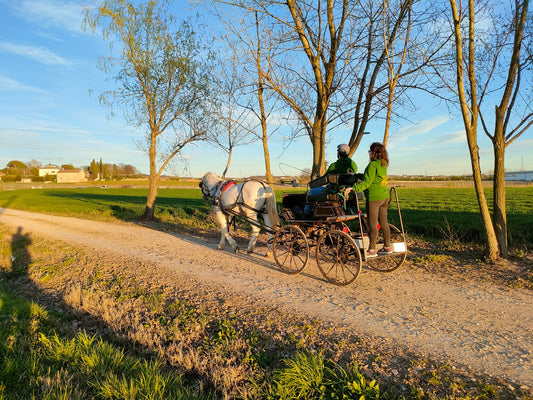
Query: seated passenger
[(344, 164)]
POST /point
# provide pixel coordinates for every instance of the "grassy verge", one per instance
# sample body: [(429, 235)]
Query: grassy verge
[(435, 213), (75, 325)]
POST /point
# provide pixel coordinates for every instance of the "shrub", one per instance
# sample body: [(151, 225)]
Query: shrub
[(309, 376)]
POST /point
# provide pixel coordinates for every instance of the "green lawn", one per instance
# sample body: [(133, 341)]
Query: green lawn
[(444, 213)]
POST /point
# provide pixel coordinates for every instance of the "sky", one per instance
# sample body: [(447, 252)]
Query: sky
[(50, 112)]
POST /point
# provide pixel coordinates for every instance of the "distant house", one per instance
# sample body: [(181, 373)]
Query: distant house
[(70, 176), (49, 170)]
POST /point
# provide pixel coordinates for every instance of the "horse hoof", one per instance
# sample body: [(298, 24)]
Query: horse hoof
[(268, 254), (236, 250), (249, 251), (220, 247)]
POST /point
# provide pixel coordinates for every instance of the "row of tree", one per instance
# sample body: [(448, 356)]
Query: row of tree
[(16, 170), (315, 65), (100, 170)]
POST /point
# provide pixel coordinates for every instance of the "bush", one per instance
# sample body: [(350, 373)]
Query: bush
[(309, 376)]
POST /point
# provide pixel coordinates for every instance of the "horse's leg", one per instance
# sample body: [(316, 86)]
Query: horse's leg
[(224, 231), (253, 239), (269, 235)]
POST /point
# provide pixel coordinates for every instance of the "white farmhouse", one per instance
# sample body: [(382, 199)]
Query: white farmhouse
[(49, 170)]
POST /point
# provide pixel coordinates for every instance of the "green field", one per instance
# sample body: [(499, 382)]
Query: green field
[(433, 213)]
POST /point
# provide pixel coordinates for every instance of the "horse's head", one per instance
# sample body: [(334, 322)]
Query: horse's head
[(208, 184)]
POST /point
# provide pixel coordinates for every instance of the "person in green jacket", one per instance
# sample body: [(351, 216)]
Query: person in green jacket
[(344, 164), (374, 184)]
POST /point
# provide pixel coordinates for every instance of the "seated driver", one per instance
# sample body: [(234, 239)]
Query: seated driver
[(344, 164)]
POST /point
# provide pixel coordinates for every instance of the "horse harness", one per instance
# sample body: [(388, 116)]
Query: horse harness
[(222, 186)]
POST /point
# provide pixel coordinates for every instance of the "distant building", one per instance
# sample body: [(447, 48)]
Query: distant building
[(70, 176), (49, 170), (526, 176)]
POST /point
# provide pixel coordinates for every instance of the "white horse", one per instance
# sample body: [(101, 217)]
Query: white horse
[(246, 199)]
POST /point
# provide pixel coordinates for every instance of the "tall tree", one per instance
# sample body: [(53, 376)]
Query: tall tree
[(162, 75), (493, 74), (328, 62), (243, 34), (234, 126), (393, 52)]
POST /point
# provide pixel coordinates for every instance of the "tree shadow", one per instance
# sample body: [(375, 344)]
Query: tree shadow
[(67, 322)]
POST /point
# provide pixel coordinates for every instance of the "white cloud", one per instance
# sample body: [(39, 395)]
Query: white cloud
[(39, 54), (449, 137), (418, 129), (61, 14), (8, 84)]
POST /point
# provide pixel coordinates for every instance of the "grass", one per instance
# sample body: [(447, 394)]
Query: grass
[(437, 213), (171, 345), (36, 362), (109, 334), (452, 214)]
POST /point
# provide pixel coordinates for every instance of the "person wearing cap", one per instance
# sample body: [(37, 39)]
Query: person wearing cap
[(344, 164)]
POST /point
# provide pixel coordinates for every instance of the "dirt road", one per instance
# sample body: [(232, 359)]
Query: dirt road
[(469, 323)]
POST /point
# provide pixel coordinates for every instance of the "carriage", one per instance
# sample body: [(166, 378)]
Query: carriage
[(321, 218), (336, 228)]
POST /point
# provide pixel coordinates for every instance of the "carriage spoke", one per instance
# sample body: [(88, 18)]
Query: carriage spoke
[(338, 257), (290, 249)]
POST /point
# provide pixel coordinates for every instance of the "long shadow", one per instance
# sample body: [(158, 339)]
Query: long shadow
[(19, 272), (16, 280)]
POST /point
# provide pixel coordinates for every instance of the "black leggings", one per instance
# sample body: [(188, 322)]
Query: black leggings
[(377, 211)]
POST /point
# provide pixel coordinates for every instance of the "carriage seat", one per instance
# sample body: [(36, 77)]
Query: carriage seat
[(323, 199), (292, 205), (328, 188), (343, 180)]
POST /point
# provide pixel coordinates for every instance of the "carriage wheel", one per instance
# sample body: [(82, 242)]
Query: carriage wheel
[(291, 249), (389, 263), (338, 257)]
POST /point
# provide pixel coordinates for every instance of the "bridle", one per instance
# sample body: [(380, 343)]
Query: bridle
[(205, 190)]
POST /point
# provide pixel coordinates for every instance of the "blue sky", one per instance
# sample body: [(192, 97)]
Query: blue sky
[(49, 68)]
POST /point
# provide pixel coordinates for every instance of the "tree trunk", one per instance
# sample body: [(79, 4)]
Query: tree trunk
[(389, 114), (268, 171), (228, 163), (499, 212), (318, 141), (491, 250), (264, 128), (153, 186)]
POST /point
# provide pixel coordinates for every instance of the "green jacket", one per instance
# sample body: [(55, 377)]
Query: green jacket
[(342, 166), (375, 180)]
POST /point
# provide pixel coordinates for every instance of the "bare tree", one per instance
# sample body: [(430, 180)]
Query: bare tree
[(328, 62), (248, 38), (494, 74), (161, 76), (234, 125), (394, 67)]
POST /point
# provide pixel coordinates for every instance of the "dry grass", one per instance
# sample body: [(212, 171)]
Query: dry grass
[(226, 344)]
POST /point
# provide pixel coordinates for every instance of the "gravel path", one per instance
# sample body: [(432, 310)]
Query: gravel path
[(476, 324)]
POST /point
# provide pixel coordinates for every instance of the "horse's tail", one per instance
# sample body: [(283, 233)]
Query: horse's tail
[(271, 207)]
